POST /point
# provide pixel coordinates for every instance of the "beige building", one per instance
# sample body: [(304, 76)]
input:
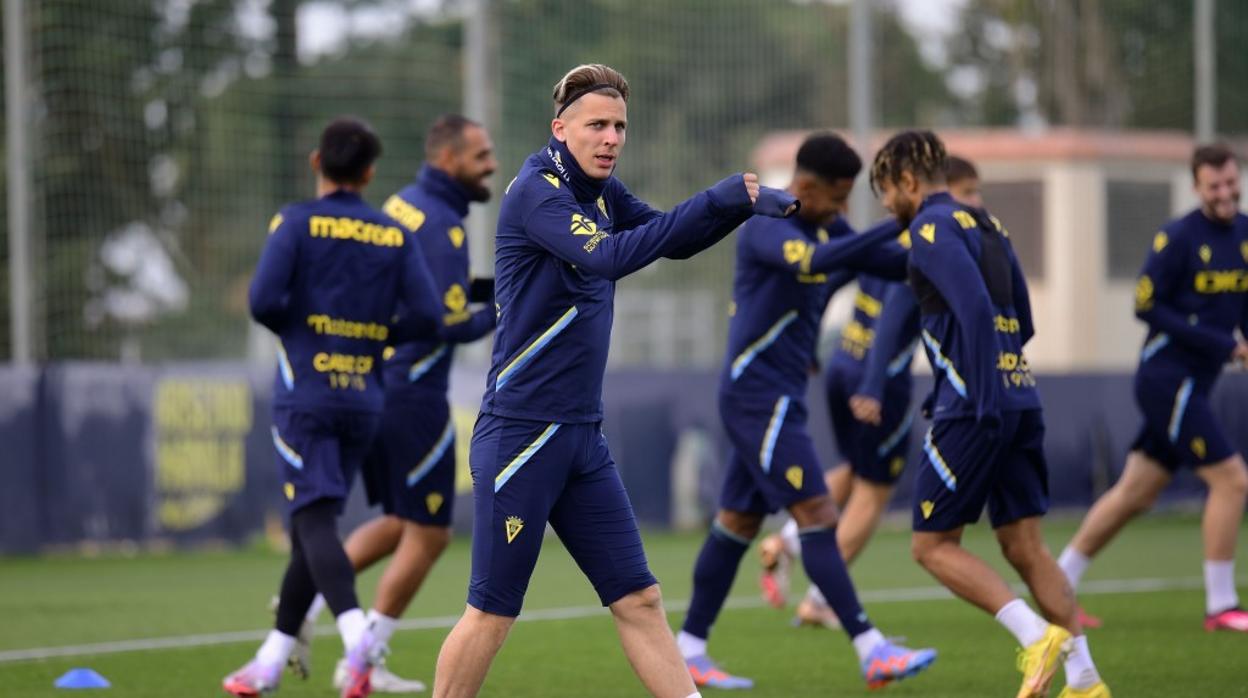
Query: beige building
[(1081, 207)]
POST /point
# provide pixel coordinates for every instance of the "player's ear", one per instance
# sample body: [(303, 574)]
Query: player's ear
[(368, 175), (907, 182), (558, 129), (314, 161)]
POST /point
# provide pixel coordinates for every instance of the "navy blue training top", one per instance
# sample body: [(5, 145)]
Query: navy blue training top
[(328, 284), (433, 209), (563, 241), (1193, 293), (786, 271), (975, 311)]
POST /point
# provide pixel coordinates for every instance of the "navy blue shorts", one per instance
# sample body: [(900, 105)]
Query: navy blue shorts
[(411, 469), (1179, 427), (319, 453), (874, 453), (773, 463), (526, 474), (965, 467)]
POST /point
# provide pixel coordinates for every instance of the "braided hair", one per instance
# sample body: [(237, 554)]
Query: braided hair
[(920, 153)]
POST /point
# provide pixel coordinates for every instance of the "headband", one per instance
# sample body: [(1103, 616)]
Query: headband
[(581, 93)]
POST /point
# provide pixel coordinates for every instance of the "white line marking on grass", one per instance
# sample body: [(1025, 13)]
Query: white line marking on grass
[(874, 596)]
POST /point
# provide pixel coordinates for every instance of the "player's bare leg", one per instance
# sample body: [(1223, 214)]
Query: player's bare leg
[(840, 481), (649, 644), (373, 540), (1224, 510), (1023, 546), (970, 578), (1142, 480), (419, 548), (467, 653), (1135, 492), (860, 516), (1224, 507)]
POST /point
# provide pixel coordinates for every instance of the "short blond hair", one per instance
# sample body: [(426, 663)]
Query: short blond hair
[(572, 86)]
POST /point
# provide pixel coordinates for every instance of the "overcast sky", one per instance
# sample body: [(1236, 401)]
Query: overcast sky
[(323, 26)]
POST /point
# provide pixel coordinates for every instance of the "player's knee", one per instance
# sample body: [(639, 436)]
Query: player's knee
[(739, 523), (925, 548), (433, 539), (815, 512), (642, 601), (1021, 554), (1237, 477)]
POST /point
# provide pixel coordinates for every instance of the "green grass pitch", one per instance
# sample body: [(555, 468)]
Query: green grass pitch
[(1152, 645)]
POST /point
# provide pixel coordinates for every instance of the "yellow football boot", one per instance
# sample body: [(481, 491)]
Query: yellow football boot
[(1097, 690), (1040, 660)]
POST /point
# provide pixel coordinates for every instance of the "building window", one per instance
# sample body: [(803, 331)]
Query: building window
[(1134, 212), (1020, 206)]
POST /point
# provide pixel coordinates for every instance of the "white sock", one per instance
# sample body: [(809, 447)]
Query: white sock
[(314, 611), (1220, 593), (383, 626), (792, 543), (276, 649), (1073, 564), (816, 596), (865, 642), (690, 646), (1080, 671), (352, 626), (1024, 623)]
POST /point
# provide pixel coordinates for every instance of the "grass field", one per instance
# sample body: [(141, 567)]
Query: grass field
[(1146, 586)]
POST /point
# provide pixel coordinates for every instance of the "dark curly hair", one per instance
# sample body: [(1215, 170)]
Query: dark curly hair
[(920, 153)]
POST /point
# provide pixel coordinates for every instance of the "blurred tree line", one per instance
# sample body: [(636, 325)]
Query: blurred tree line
[(191, 119)]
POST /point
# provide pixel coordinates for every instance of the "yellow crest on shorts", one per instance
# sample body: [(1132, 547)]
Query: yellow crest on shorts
[(794, 476), (456, 234), (1198, 447), (289, 489), (927, 506), (433, 501), (512, 527)]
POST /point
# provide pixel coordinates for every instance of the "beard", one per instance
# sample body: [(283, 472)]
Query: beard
[(477, 192)]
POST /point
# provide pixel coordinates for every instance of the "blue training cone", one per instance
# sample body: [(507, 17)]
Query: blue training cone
[(82, 678)]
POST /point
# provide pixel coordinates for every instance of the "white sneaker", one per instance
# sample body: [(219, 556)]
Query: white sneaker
[(300, 660), (383, 680)]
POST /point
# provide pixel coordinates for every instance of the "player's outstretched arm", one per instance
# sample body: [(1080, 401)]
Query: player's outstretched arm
[(269, 294), (555, 223), (783, 248), (1155, 286), (941, 255)]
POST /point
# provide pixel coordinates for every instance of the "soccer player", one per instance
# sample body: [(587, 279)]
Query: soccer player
[(786, 271), (868, 387), (328, 284), (411, 470), (1192, 295), (985, 445), (567, 231)]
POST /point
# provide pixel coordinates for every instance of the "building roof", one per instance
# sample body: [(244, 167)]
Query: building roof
[(777, 150)]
